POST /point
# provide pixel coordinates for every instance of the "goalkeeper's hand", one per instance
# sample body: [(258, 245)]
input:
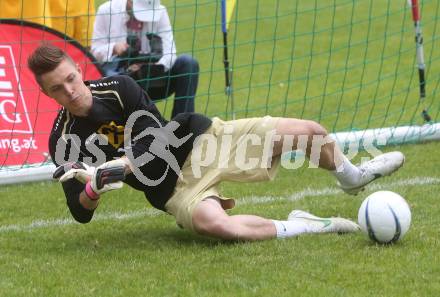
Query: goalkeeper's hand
[(78, 170), (107, 177)]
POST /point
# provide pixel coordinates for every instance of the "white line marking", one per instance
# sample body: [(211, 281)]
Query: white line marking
[(151, 212), (330, 191)]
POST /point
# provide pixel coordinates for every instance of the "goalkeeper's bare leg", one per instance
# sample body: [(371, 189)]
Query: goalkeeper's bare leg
[(209, 218), (327, 155)]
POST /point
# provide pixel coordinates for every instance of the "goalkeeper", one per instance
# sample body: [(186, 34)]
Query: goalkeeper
[(109, 133)]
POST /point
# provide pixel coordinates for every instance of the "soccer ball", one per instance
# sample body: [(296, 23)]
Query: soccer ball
[(384, 216)]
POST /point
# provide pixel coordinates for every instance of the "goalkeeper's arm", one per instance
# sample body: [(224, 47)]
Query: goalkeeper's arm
[(83, 184)]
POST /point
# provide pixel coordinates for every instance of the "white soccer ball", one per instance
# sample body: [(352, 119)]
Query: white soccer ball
[(384, 216)]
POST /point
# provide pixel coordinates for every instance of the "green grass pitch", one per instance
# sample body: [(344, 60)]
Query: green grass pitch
[(130, 249)]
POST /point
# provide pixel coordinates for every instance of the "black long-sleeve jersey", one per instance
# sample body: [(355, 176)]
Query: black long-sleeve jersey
[(99, 137)]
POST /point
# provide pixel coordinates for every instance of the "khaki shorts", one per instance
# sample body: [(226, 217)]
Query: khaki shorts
[(237, 150)]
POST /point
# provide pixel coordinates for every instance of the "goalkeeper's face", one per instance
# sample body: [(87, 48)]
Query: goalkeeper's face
[(65, 85)]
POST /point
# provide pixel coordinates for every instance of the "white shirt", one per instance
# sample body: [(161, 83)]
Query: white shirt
[(110, 28)]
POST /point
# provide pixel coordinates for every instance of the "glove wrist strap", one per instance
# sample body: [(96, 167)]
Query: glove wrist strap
[(90, 193)]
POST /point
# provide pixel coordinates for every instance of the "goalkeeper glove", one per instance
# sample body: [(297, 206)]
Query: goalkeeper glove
[(107, 177), (79, 170)]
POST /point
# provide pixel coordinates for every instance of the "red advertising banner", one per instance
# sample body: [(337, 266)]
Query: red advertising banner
[(26, 114)]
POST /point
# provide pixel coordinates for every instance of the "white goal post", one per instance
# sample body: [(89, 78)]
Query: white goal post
[(378, 137)]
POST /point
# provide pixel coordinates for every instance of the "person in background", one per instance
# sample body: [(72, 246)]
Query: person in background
[(73, 18), (135, 37)]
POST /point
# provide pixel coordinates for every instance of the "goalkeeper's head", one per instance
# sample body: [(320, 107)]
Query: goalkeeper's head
[(60, 78)]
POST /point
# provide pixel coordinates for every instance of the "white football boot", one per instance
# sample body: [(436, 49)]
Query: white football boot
[(323, 225), (377, 167)]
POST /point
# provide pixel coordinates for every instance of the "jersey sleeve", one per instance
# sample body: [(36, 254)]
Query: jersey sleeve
[(72, 189)]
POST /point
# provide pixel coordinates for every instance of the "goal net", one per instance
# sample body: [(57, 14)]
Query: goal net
[(357, 67)]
